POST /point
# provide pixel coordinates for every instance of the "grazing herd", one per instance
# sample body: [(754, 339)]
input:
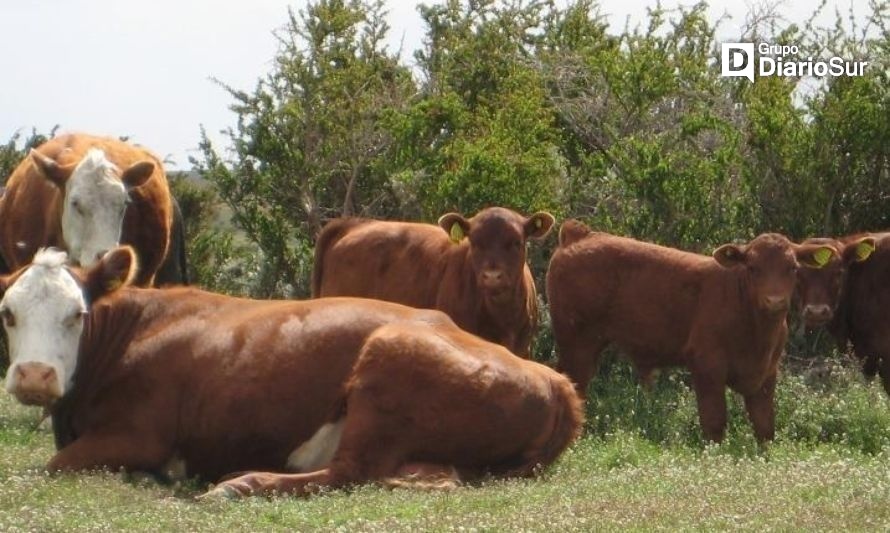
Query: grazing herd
[(409, 365)]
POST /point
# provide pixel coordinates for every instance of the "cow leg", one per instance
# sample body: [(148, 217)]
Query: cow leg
[(761, 409), (710, 395), (579, 360), (113, 451), (884, 372), (271, 483)]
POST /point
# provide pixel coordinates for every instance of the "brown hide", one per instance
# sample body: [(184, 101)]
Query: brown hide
[(862, 318), (31, 208), (228, 384), (435, 396), (482, 282), (665, 307)]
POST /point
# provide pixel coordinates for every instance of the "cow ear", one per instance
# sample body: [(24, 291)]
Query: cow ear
[(115, 270), (814, 255), (859, 250), (54, 172), (538, 225), (455, 225), (730, 255), (138, 174)]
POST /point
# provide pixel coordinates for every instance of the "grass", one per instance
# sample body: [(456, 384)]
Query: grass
[(828, 470)]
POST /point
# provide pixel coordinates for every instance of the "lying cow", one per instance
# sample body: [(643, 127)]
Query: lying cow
[(474, 270), (852, 296), (722, 317), (344, 390), (87, 194)]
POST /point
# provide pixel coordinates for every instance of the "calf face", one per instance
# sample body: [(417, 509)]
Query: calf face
[(819, 289), (770, 264), (497, 238), (43, 309), (95, 200)]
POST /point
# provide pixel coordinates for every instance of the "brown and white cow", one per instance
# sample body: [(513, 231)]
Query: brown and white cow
[(87, 194), (722, 317), (473, 269), (858, 299), (343, 390)]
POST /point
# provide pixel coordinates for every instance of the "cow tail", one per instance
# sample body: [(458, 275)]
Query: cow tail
[(568, 421), (572, 231), (332, 232)]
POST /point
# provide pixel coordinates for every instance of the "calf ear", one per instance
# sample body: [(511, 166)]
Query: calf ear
[(859, 250), (115, 270), (455, 225), (814, 255), (137, 174), (538, 225), (730, 255), (54, 172)]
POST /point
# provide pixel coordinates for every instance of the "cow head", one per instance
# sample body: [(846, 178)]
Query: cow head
[(819, 288), (43, 309), (95, 193), (769, 265), (497, 238)]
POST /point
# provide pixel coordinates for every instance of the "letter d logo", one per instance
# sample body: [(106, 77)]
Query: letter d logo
[(737, 60)]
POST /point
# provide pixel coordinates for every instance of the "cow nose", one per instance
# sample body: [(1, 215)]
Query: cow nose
[(817, 313), (35, 384), (492, 277), (775, 303)]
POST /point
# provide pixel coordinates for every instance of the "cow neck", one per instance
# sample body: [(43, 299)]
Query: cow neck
[(108, 329)]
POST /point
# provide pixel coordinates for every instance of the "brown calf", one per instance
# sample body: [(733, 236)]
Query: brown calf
[(858, 298), (482, 281), (345, 389), (722, 317)]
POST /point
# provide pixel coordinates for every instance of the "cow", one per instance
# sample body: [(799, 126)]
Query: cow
[(341, 390), (819, 290), (473, 269), (722, 317), (87, 194), (853, 290)]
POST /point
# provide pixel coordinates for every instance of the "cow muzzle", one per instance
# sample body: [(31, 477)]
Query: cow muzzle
[(35, 384), (775, 304), (815, 315), (493, 280)]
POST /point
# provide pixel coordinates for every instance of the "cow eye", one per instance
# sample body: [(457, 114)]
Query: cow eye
[(8, 317), (75, 204), (75, 318)]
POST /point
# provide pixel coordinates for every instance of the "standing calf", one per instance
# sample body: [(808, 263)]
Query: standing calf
[(482, 281), (853, 298), (722, 317)]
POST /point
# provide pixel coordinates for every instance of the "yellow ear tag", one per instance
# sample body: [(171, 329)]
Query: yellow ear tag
[(538, 223), (863, 250), (822, 256), (457, 233), (113, 284)]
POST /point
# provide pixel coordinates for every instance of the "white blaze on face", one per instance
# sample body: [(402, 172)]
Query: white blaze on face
[(93, 212), (43, 314)]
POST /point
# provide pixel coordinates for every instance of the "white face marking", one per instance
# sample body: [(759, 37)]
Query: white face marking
[(43, 315), (93, 210), (317, 452)]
